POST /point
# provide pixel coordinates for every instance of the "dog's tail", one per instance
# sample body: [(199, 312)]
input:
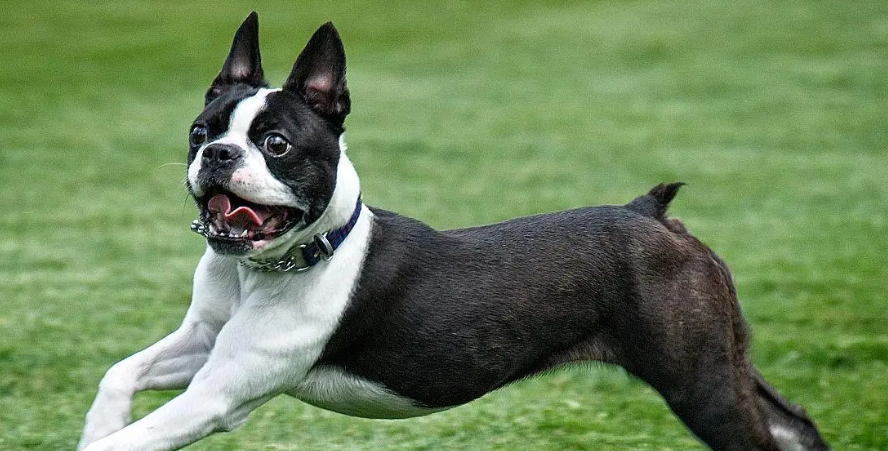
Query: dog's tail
[(655, 204)]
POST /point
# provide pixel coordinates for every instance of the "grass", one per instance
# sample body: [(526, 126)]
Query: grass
[(464, 113)]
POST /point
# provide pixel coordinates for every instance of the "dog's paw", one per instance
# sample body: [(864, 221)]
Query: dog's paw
[(99, 429), (101, 445)]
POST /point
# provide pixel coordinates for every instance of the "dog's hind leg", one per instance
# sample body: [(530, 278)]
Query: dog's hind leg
[(714, 400), (691, 346), (731, 408)]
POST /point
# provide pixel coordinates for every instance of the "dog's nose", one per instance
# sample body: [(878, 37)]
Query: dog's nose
[(220, 154)]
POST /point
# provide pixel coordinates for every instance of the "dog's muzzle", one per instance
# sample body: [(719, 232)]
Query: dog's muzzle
[(235, 225)]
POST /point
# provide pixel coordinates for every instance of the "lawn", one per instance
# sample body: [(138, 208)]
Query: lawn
[(464, 113)]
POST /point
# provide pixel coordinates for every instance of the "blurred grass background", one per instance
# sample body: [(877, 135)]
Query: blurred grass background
[(464, 113)]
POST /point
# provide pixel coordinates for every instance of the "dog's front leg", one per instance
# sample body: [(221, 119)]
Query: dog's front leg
[(170, 363), (209, 406), (258, 354)]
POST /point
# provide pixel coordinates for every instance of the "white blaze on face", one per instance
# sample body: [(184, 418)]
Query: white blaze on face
[(253, 180)]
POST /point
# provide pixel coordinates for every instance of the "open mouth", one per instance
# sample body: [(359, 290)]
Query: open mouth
[(226, 217)]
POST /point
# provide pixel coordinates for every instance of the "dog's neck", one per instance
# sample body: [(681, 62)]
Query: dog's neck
[(338, 213)]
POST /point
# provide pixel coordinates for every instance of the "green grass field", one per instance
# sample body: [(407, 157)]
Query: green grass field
[(774, 113)]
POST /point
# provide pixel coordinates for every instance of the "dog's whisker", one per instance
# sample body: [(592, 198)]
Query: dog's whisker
[(171, 164)]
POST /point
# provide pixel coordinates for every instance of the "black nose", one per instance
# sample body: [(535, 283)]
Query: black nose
[(221, 155)]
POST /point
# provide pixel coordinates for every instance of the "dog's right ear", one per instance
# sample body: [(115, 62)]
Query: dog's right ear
[(243, 65)]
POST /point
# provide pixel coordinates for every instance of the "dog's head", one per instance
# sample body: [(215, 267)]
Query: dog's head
[(262, 162)]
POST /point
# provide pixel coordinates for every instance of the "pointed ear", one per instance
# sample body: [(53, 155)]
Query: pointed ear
[(319, 75), (243, 65)]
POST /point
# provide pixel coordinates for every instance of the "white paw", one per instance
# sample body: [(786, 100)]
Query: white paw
[(101, 445), (99, 429)]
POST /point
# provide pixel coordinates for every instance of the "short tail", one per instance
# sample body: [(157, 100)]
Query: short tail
[(656, 202)]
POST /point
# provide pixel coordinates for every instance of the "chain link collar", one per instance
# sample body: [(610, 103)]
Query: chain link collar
[(296, 259)]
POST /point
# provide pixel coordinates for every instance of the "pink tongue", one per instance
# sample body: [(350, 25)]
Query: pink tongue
[(242, 216)]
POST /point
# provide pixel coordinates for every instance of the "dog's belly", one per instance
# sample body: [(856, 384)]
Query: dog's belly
[(330, 387)]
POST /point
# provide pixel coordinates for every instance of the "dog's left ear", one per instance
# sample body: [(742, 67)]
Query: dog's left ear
[(244, 64), (319, 75)]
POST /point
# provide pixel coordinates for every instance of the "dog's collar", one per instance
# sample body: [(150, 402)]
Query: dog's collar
[(303, 257)]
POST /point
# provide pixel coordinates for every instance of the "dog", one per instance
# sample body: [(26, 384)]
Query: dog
[(304, 290)]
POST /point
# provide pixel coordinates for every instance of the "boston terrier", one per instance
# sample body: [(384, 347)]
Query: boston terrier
[(306, 291)]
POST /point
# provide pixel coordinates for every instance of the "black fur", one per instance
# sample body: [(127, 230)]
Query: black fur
[(433, 322), (244, 63), (319, 75)]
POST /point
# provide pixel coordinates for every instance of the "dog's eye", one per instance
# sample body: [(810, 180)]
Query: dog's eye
[(276, 145), (198, 135)]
